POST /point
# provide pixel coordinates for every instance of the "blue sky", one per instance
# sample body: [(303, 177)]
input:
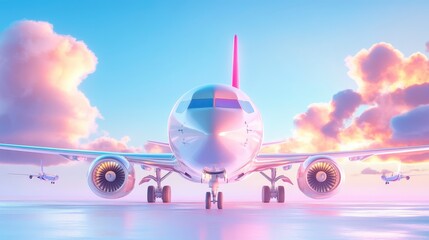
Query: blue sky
[(151, 52)]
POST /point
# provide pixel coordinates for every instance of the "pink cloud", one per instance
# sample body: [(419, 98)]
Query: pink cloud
[(343, 103), (392, 96), (111, 144), (157, 147), (370, 171), (412, 125), (374, 69), (416, 95), (40, 103)]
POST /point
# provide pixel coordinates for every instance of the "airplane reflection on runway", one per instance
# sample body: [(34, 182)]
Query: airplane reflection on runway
[(113, 220)]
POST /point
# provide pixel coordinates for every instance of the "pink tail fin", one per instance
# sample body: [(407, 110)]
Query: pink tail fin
[(235, 80)]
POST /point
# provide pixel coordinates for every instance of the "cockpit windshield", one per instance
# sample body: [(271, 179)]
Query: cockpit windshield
[(227, 103), (214, 102), (198, 103), (201, 103)]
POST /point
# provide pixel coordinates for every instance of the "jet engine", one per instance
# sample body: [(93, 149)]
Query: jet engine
[(319, 177), (111, 176)]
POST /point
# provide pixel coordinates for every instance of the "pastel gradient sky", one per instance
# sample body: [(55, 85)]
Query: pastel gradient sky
[(328, 75)]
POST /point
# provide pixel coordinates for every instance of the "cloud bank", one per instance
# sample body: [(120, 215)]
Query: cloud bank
[(390, 108), (370, 171), (40, 102)]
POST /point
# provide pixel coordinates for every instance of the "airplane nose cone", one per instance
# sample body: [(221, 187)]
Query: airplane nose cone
[(201, 123), (214, 140)]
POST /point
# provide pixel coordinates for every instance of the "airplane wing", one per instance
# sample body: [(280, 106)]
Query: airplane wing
[(161, 160), (265, 161), (157, 146)]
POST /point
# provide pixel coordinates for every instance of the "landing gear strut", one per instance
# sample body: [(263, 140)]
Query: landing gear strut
[(273, 192), (214, 196), (157, 192)]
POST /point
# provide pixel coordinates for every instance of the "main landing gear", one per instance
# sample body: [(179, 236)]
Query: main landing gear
[(214, 196), (273, 192), (157, 192)]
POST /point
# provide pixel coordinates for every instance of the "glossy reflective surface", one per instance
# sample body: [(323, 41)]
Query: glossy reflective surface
[(215, 128), (119, 220)]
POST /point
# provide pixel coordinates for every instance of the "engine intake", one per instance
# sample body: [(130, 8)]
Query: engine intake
[(319, 177), (111, 176)]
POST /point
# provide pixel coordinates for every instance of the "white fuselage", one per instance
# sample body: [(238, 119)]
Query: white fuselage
[(43, 176), (394, 178), (47, 177), (215, 128)]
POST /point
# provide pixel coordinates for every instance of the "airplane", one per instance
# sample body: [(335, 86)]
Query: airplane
[(394, 178), (215, 135), (42, 175)]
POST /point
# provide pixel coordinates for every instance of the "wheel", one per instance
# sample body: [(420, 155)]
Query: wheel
[(208, 200), (281, 194), (220, 200), (150, 194), (266, 194), (31, 176), (166, 194), (407, 177)]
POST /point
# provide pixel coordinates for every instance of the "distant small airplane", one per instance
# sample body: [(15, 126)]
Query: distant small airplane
[(42, 175), (394, 177)]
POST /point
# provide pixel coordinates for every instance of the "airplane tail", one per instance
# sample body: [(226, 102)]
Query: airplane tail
[(235, 79), (41, 166)]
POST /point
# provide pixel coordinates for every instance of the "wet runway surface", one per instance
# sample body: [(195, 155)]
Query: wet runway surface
[(121, 220)]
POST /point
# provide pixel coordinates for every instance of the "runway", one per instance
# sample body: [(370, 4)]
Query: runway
[(131, 220)]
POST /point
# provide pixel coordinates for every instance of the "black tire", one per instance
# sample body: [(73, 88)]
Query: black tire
[(166, 194), (150, 194), (281, 194), (266, 194), (31, 176), (220, 200), (208, 200), (407, 177)]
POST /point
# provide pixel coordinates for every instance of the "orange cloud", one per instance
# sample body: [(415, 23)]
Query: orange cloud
[(393, 102), (370, 171), (39, 76), (157, 147), (111, 144), (40, 102)]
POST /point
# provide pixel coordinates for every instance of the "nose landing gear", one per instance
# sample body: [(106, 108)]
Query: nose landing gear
[(214, 196), (217, 199)]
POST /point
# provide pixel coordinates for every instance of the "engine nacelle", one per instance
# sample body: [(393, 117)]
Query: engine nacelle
[(111, 176), (319, 177)]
